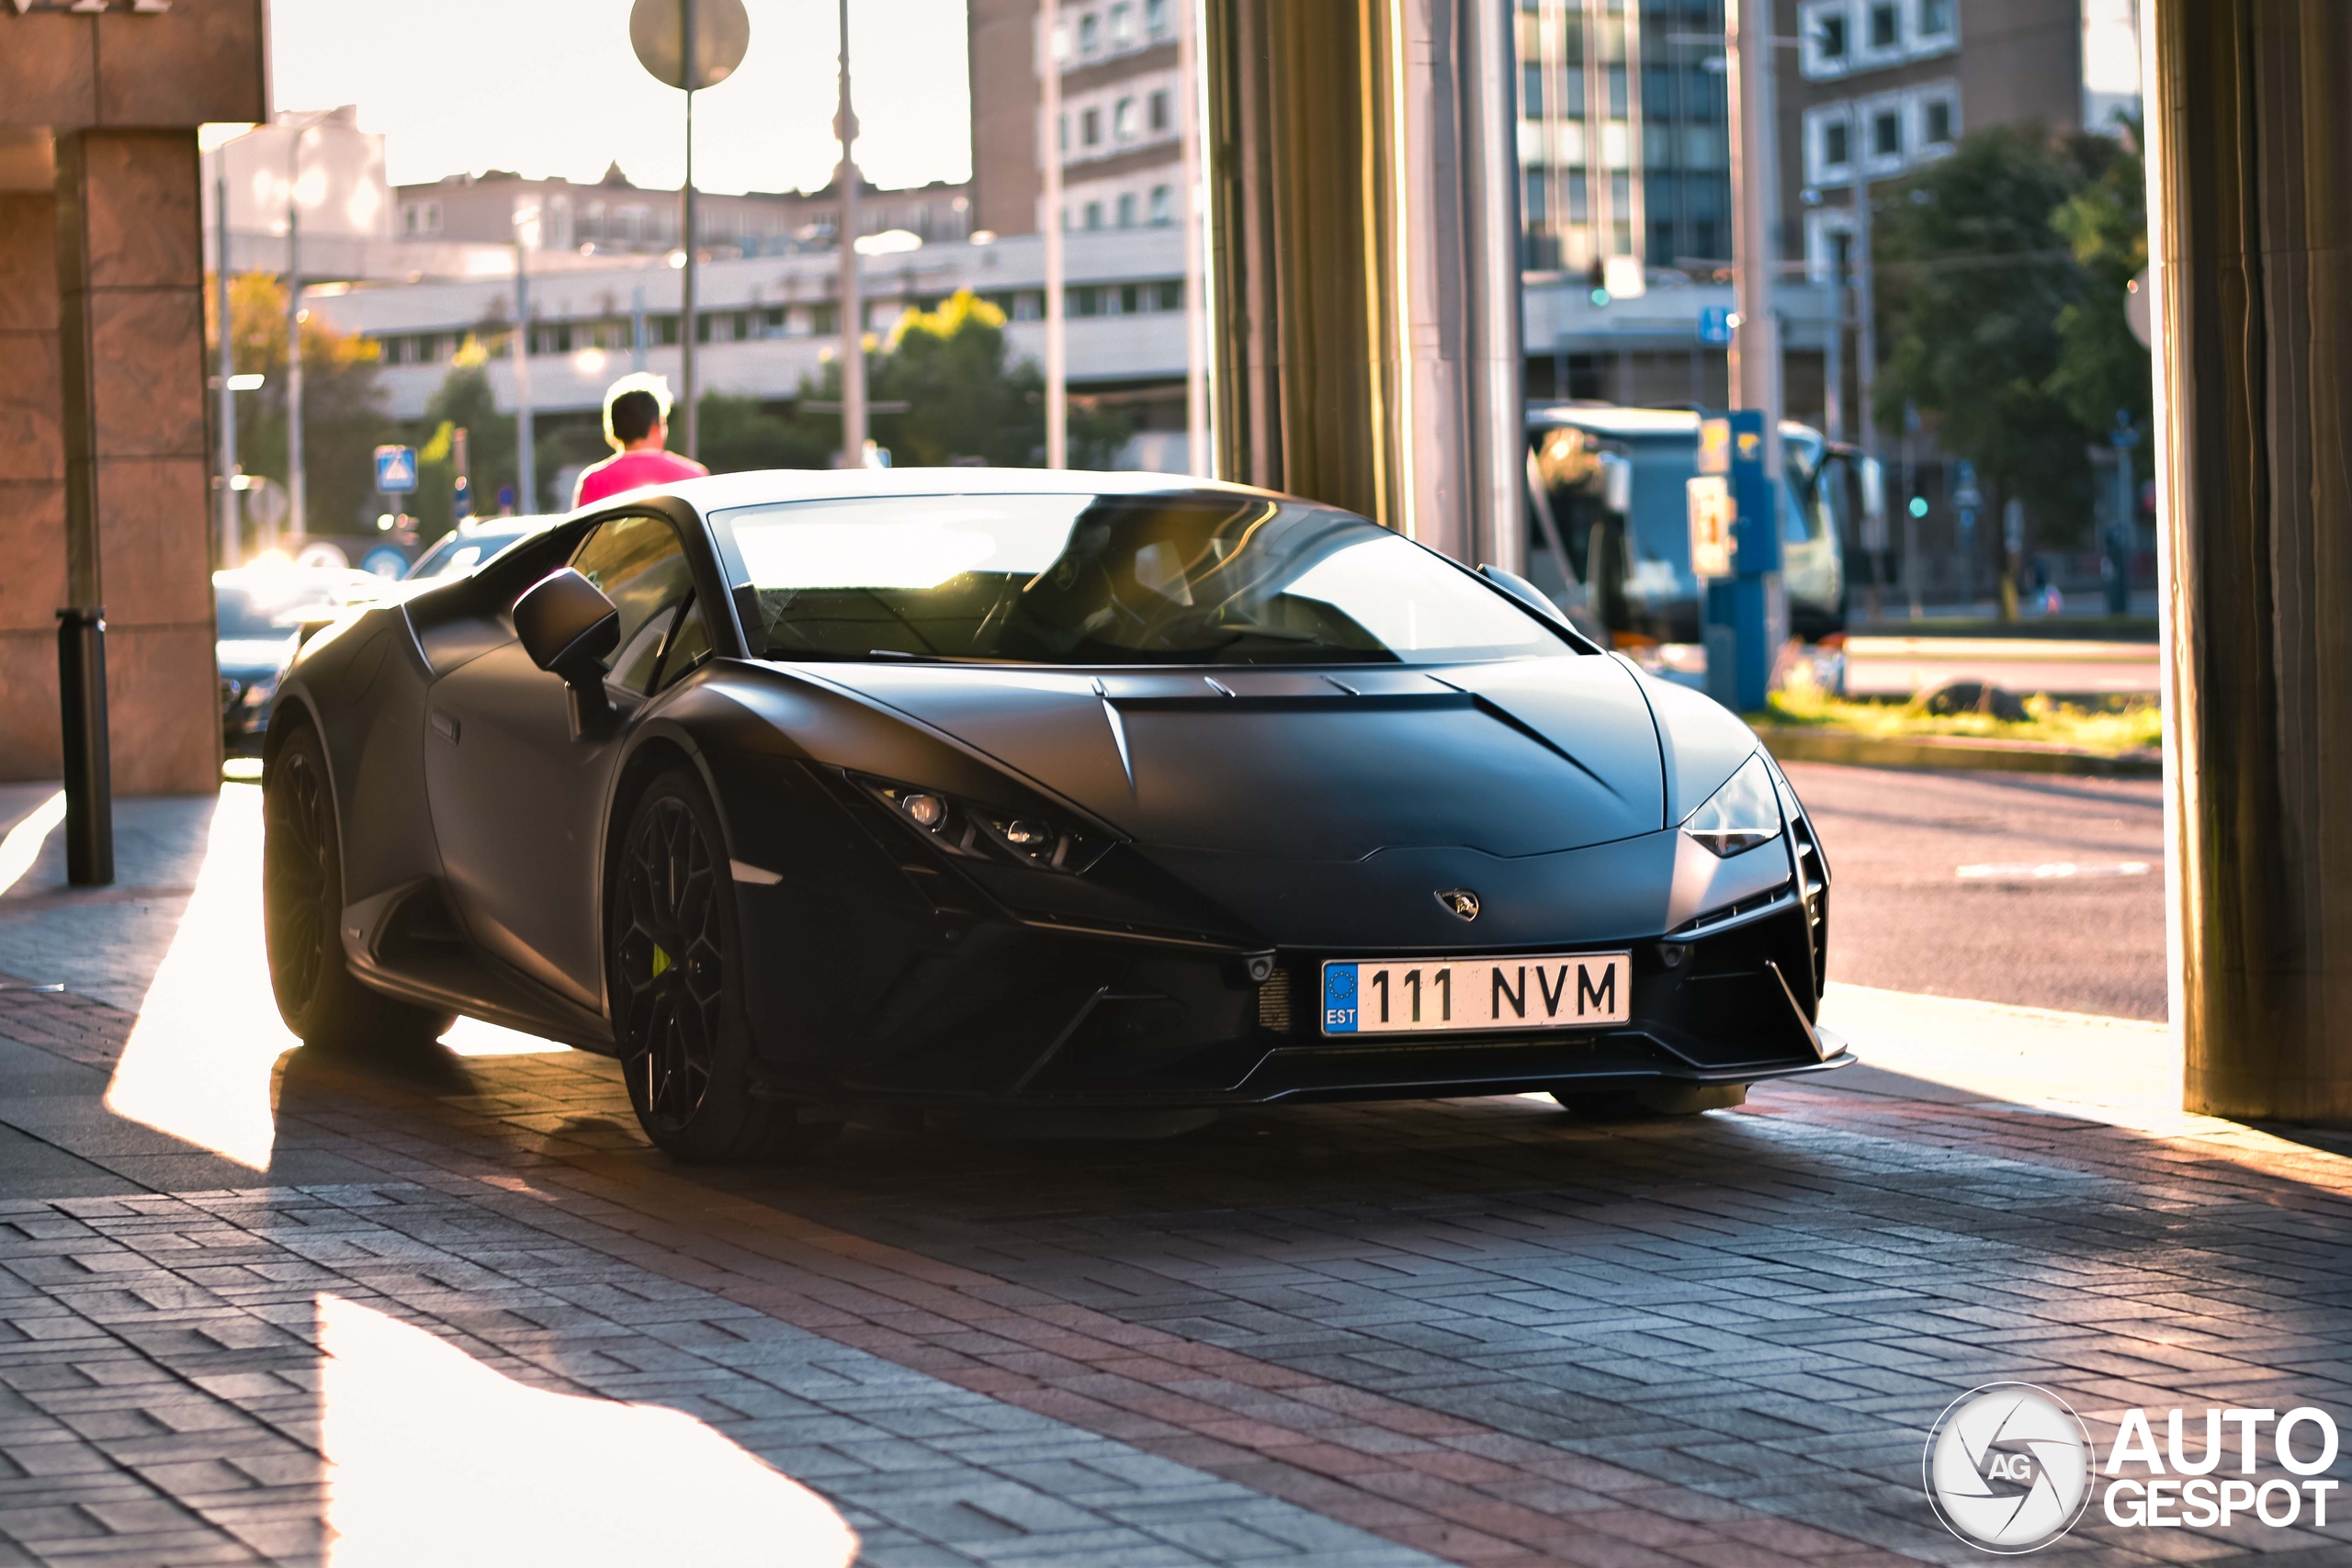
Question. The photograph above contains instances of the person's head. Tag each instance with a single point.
(637, 412)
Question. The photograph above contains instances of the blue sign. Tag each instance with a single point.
(1714, 325)
(384, 561)
(395, 470)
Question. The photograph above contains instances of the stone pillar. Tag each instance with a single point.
(130, 280)
(2250, 182)
(32, 487)
(1363, 237)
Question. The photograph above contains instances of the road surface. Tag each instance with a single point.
(2002, 888)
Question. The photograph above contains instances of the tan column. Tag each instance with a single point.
(130, 278)
(32, 487)
(2250, 180)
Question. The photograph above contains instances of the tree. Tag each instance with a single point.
(948, 366)
(463, 401)
(740, 433)
(2102, 368)
(1974, 279)
(343, 406)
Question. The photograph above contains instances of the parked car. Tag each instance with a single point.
(471, 543)
(807, 795)
(1607, 493)
(258, 614)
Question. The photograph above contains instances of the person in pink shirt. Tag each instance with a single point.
(637, 422)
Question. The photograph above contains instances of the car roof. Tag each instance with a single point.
(766, 487)
(1607, 419)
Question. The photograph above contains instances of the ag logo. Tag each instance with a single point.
(2009, 1468)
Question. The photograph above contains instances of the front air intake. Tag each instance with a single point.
(1273, 1002)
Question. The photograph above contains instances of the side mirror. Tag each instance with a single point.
(568, 626)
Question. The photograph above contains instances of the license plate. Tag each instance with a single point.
(1572, 991)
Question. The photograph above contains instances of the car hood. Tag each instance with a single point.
(1508, 758)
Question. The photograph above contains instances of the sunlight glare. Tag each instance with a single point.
(434, 1457)
(200, 1058)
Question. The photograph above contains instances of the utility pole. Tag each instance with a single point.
(1756, 338)
(689, 324)
(1050, 145)
(853, 293)
(296, 512)
(526, 488)
(230, 545)
(637, 328)
(1197, 457)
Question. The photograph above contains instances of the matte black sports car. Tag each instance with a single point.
(894, 792)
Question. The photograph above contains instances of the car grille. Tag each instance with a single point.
(1273, 1002)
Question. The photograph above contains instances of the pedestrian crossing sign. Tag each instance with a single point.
(395, 470)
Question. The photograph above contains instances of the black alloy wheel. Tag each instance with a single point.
(672, 964)
(674, 957)
(298, 879)
(302, 861)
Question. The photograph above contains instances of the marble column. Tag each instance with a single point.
(32, 487)
(2251, 238)
(129, 309)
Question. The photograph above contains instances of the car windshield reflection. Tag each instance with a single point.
(1197, 578)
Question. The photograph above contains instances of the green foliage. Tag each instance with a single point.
(963, 401)
(741, 433)
(2102, 367)
(1971, 278)
(948, 366)
(343, 417)
(462, 401)
(1998, 288)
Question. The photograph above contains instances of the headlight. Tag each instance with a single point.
(986, 833)
(1742, 814)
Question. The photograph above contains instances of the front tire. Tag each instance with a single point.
(674, 956)
(302, 915)
(1653, 1100)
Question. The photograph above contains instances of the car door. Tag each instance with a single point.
(518, 803)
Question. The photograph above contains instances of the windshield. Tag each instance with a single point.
(1196, 577)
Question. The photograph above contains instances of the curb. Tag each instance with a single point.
(1792, 744)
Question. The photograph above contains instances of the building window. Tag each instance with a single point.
(1094, 215)
(1155, 17)
(1828, 145)
(1163, 205)
(1533, 212)
(1061, 133)
(1127, 211)
(1160, 119)
(1885, 26)
(1090, 34)
(1082, 302)
(1934, 25)
(1531, 92)
(1123, 124)
(1089, 127)
(1825, 29)
(1878, 127)
(1171, 295)
(1937, 123)
(1123, 25)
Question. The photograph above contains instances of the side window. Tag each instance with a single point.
(689, 646)
(642, 570)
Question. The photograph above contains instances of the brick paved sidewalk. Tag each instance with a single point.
(1472, 1331)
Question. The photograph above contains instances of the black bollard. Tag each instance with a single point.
(89, 773)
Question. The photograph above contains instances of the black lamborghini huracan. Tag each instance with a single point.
(811, 796)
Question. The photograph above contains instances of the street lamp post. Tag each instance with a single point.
(689, 429)
(1057, 352)
(852, 294)
(527, 492)
(296, 508)
(231, 527)
(1196, 380)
